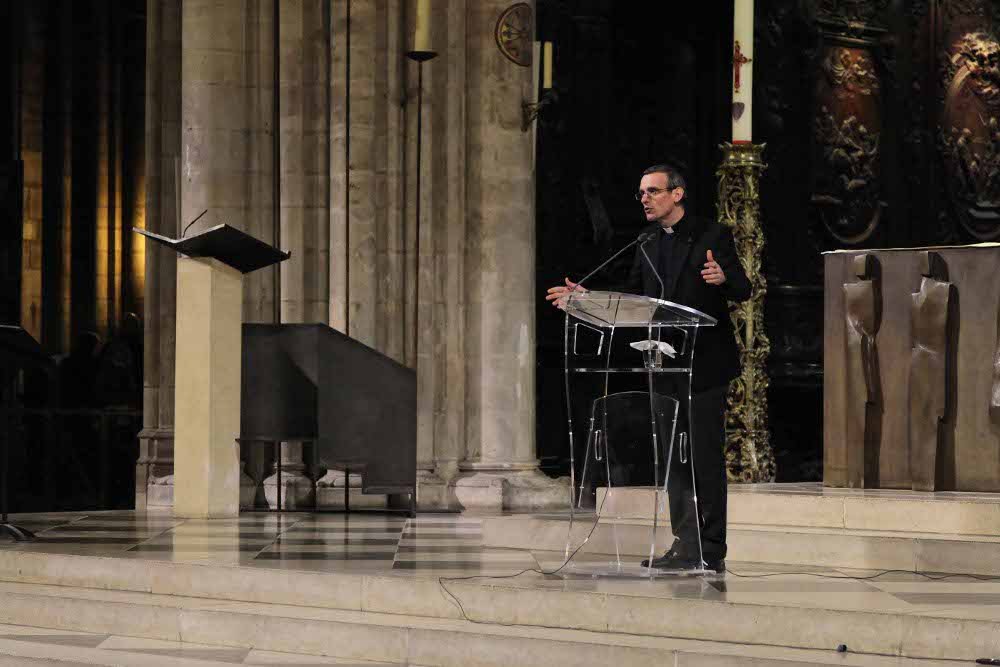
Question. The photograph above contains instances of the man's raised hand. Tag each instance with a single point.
(713, 273)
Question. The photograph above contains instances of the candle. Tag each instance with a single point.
(547, 66)
(422, 33)
(742, 69)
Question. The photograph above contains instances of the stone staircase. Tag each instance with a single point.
(954, 533)
(529, 620)
(540, 620)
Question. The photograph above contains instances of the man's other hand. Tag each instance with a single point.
(557, 295)
(713, 273)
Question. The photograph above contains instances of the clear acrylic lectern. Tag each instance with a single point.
(628, 361)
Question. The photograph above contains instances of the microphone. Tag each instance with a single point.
(192, 222)
(649, 237)
(642, 238)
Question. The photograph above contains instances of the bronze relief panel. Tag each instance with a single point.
(968, 131)
(846, 134)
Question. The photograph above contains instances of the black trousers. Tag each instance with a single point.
(706, 441)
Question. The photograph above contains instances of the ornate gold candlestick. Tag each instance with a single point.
(748, 440)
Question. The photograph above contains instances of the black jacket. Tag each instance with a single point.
(716, 359)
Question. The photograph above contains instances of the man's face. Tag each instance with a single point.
(658, 203)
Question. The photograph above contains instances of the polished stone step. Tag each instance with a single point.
(812, 506)
(24, 646)
(527, 620)
(826, 547)
(396, 639)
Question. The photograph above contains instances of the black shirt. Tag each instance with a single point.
(665, 266)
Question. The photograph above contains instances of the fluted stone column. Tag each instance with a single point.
(369, 275)
(440, 333)
(227, 156)
(154, 470)
(499, 468)
(32, 76)
(305, 190)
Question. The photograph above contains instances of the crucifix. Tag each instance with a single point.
(738, 61)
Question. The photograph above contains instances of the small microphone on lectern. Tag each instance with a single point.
(192, 222)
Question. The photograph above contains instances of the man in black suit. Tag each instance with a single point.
(697, 261)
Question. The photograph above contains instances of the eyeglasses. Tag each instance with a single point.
(652, 192)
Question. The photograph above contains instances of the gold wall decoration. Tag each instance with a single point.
(748, 441)
(514, 34)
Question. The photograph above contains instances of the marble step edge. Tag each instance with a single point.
(520, 631)
(40, 652)
(972, 515)
(822, 547)
(760, 528)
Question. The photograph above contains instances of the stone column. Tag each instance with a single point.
(438, 337)
(499, 468)
(31, 108)
(154, 470)
(227, 154)
(370, 279)
(305, 188)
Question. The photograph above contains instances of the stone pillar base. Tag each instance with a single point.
(248, 489)
(434, 493)
(330, 493)
(509, 490)
(160, 492)
(154, 478)
(297, 491)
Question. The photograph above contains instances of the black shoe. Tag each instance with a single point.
(672, 552)
(718, 565)
(675, 560)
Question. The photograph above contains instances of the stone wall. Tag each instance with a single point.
(454, 296)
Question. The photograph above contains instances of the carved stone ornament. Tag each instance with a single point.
(969, 132)
(513, 34)
(863, 319)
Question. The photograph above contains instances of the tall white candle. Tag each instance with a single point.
(422, 33)
(742, 69)
(547, 66)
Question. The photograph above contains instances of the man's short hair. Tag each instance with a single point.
(675, 179)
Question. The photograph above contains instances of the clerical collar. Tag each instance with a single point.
(677, 227)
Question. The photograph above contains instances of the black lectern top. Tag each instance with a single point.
(226, 244)
(17, 346)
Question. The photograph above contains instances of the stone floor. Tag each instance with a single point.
(443, 550)
(25, 645)
(442, 546)
(438, 545)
